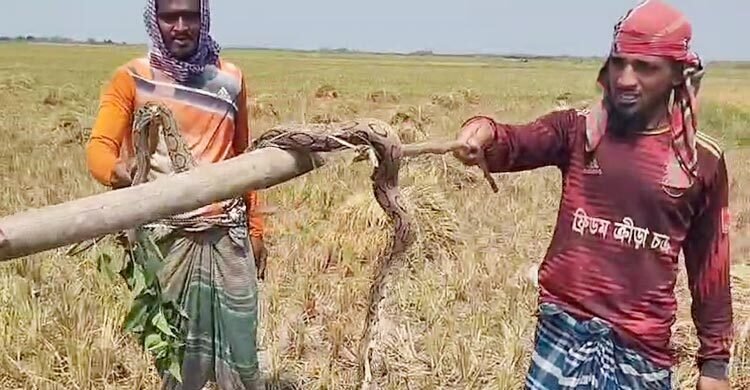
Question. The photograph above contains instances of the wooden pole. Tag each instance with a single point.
(110, 212)
(51, 227)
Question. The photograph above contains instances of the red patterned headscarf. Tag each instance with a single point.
(655, 28)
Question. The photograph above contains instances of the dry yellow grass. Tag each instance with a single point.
(459, 314)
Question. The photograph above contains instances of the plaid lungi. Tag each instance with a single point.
(212, 275)
(572, 354)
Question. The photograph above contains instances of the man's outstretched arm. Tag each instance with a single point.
(707, 261)
(546, 141)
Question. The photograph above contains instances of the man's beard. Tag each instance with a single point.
(621, 122)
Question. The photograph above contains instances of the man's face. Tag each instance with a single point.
(180, 23)
(638, 84)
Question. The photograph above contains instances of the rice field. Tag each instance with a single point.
(459, 314)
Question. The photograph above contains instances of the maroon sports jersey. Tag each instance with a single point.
(614, 253)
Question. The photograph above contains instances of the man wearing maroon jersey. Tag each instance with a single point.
(640, 184)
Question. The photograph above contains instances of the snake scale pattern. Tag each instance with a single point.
(368, 136)
(376, 137)
(151, 120)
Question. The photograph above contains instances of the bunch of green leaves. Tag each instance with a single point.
(153, 319)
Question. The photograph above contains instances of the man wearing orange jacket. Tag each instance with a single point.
(214, 254)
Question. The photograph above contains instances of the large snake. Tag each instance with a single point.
(372, 138)
(376, 139)
(386, 147)
(149, 121)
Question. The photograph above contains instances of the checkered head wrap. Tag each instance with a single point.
(161, 58)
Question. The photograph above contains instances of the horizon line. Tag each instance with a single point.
(342, 50)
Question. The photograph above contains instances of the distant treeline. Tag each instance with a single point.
(345, 51)
(418, 53)
(31, 38)
(430, 53)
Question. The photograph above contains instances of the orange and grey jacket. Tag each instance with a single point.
(210, 111)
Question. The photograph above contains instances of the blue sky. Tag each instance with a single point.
(573, 27)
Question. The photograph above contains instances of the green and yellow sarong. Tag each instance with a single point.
(211, 275)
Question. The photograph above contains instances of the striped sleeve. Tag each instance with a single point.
(707, 259)
(546, 141)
